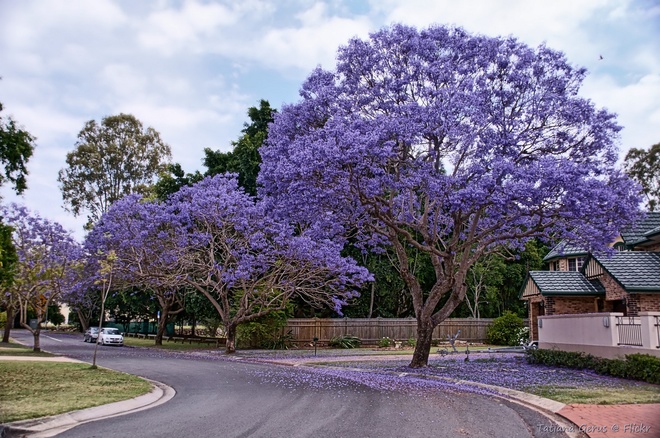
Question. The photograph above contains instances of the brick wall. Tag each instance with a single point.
(572, 305)
(648, 302)
(613, 291)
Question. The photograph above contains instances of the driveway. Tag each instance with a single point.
(228, 398)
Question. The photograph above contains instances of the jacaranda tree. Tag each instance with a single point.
(46, 254)
(214, 238)
(456, 145)
(140, 235)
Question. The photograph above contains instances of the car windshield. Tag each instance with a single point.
(111, 331)
(93, 329)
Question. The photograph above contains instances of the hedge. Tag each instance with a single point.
(642, 367)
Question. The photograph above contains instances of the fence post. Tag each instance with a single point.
(317, 328)
(648, 322)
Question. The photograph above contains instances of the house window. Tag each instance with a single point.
(575, 264)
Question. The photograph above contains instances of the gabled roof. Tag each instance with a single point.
(635, 271)
(642, 230)
(565, 283)
(565, 249)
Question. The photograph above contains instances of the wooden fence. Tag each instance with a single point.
(370, 331)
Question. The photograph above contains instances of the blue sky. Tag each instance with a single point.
(190, 69)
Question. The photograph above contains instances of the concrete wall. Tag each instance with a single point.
(596, 333)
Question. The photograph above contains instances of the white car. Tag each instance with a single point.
(110, 336)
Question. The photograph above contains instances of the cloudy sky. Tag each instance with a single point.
(190, 69)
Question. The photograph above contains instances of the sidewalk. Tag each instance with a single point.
(601, 421)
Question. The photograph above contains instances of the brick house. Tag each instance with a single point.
(578, 282)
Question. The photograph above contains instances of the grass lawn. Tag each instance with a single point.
(645, 393)
(168, 345)
(13, 349)
(37, 389)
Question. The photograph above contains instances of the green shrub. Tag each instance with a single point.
(562, 359)
(412, 342)
(3, 319)
(642, 367)
(385, 342)
(281, 342)
(262, 332)
(346, 341)
(506, 330)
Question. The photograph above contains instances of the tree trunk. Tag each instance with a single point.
(162, 323)
(230, 347)
(420, 357)
(84, 321)
(35, 335)
(8, 324)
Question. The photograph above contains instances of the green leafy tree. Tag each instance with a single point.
(111, 159)
(644, 167)
(172, 179)
(8, 259)
(16, 148)
(244, 159)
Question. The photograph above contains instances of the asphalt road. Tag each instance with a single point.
(220, 398)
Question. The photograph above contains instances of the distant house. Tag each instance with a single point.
(627, 281)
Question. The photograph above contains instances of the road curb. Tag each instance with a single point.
(53, 425)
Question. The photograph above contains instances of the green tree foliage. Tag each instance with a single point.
(244, 159)
(8, 260)
(644, 167)
(16, 147)
(505, 330)
(111, 159)
(172, 179)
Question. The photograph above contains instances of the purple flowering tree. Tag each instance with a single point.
(214, 238)
(46, 254)
(139, 235)
(246, 263)
(451, 145)
(82, 295)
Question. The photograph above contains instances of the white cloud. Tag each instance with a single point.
(312, 41)
(191, 68)
(170, 31)
(636, 104)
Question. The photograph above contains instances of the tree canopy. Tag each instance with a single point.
(453, 144)
(46, 254)
(644, 167)
(214, 238)
(111, 159)
(16, 148)
(244, 159)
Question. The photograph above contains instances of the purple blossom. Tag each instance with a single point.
(217, 240)
(452, 144)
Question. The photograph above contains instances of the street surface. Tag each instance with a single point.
(221, 398)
